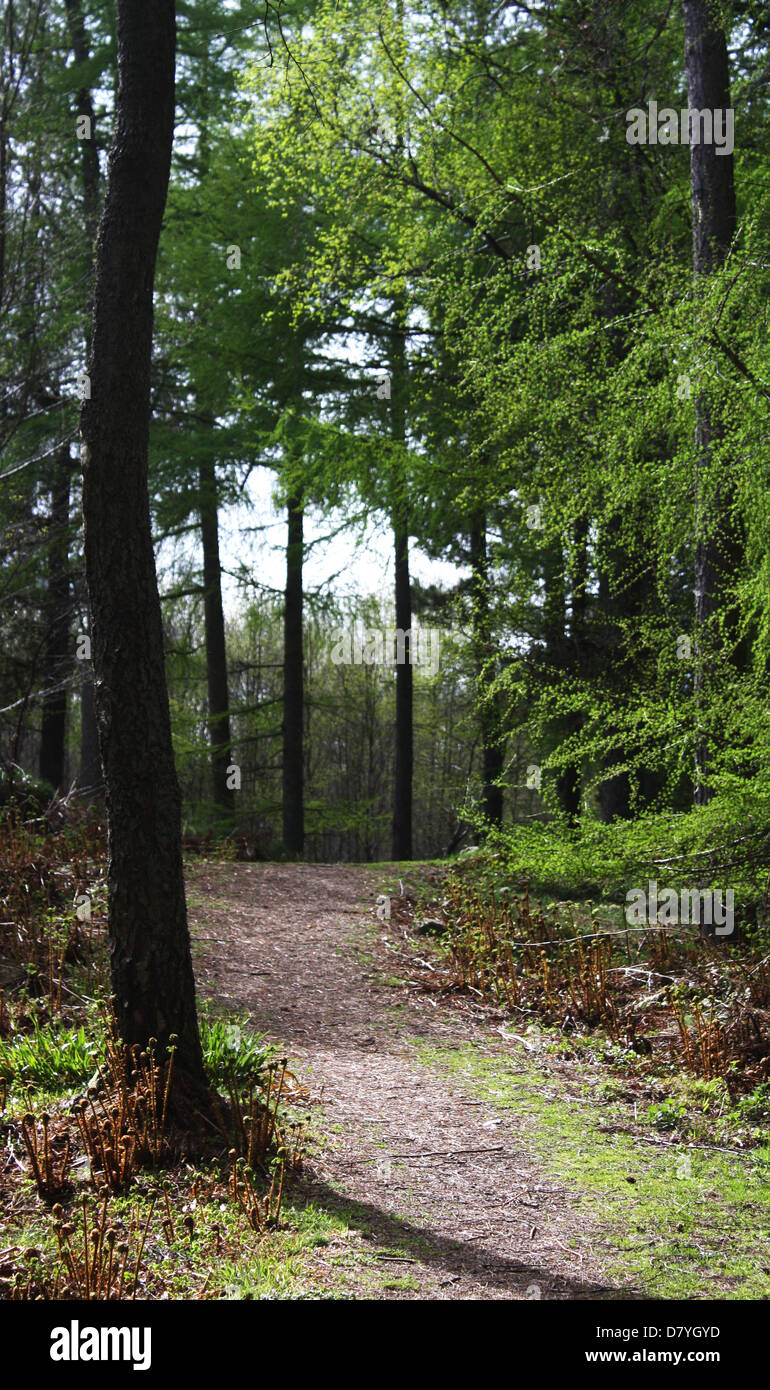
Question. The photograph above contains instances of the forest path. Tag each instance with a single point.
(299, 947)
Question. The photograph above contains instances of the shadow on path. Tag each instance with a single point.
(452, 1257)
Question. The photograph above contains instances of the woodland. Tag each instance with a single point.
(384, 598)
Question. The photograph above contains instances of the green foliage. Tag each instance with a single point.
(231, 1048)
(668, 1115)
(349, 720)
(55, 1058)
(757, 1105)
(447, 196)
(50, 1058)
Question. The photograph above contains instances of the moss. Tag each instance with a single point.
(677, 1222)
(403, 1283)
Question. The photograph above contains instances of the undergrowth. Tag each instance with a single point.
(667, 994)
(98, 1198)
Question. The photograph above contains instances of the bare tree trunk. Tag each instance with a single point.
(404, 760)
(89, 782)
(216, 648)
(488, 713)
(57, 663)
(151, 965)
(712, 190)
(614, 605)
(90, 778)
(3, 187)
(89, 158)
(293, 685)
(570, 780)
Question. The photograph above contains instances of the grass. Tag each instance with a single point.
(198, 1242)
(182, 1232)
(402, 1284)
(674, 1222)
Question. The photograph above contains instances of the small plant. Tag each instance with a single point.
(703, 1039)
(258, 1129)
(95, 1262)
(111, 1151)
(39, 874)
(667, 1115)
(525, 958)
(261, 1211)
(93, 1259)
(571, 968)
(757, 1105)
(254, 1110)
(123, 1122)
(230, 1047)
(49, 1172)
(6, 1023)
(50, 1057)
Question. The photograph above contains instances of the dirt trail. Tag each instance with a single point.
(298, 946)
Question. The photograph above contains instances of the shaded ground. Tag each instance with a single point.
(447, 1195)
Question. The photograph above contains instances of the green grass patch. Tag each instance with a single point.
(672, 1221)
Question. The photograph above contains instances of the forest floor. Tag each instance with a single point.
(452, 1159)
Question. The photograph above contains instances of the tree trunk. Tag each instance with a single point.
(559, 657)
(293, 686)
(488, 713)
(570, 780)
(216, 649)
(3, 188)
(57, 662)
(151, 965)
(712, 192)
(89, 782)
(404, 753)
(404, 763)
(90, 778)
(89, 159)
(614, 791)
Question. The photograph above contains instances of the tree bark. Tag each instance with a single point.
(614, 605)
(89, 783)
(216, 648)
(560, 652)
(57, 662)
(488, 713)
(404, 762)
(3, 188)
(569, 785)
(404, 759)
(90, 777)
(151, 965)
(293, 685)
(712, 193)
(89, 159)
